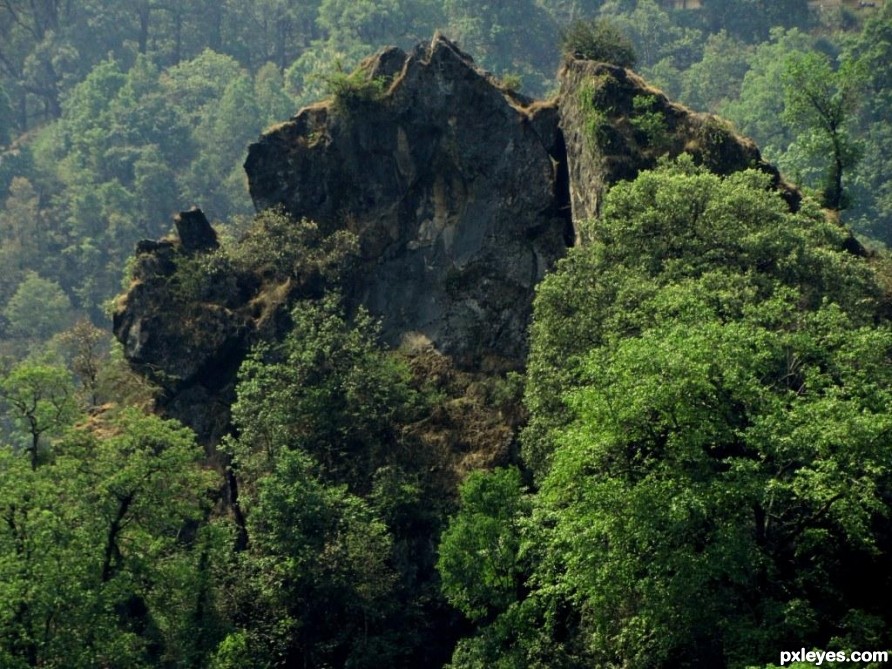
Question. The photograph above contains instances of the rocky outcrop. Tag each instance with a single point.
(188, 345)
(615, 125)
(457, 193)
(451, 184)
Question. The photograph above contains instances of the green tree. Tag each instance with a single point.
(314, 584)
(871, 211)
(95, 566)
(86, 110)
(223, 136)
(155, 187)
(508, 38)
(19, 217)
(39, 400)
(274, 31)
(85, 350)
(716, 458)
(199, 81)
(655, 35)
(366, 23)
(565, 12)
(38, 309)
(758, 107)
(712, 475)
(716, 79)
(336, 493)
(272, 99)
(751, 20)
(479, 551)
(32, 559)
(819, 100)
(599, 40)
(329, 392)
(130, 149)
(144, 114)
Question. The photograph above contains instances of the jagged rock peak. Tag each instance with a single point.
(452, 183)
(458, 191)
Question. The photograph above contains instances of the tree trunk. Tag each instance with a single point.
(111, 541)
(241, 530)
(833, 198)
(35, 441)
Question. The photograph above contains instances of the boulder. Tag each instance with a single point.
(195, 233)
(461, 193)
(614, 125)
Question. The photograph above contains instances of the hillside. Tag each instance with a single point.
(486, 379)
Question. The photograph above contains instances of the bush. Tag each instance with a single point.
(274, 245)
(598, 40)
(351, 91)
(650, 121)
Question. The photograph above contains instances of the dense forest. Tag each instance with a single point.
(698, 470)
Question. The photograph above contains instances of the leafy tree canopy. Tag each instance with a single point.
(38, 309)
(718, 455)
(95, 567)
(822, 101)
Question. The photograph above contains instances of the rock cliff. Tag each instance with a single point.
(460, 195)
(451, 185)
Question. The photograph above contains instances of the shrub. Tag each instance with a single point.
(511, 82)
(598, 40)
(274, 245)
(353, 90)
(596, 119)
(650, 121)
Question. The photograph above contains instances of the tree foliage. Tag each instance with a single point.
(821, 100)
(708, 388)
(129, 121)
(598, 40)
(328, 392)
(315, 585)
(479, 551)
(38, 309)
(337, 515)
(709, 396)
(39, 402)
(95, 567)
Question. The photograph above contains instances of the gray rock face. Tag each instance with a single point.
(192, 350)
(451, 184)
